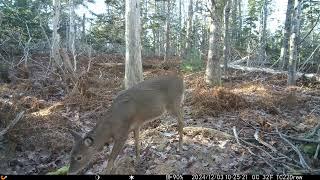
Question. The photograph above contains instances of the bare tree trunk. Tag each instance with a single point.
(263, 40)
(293, 55)
(226, 48)
(234, 21)
(239, 34)
(167, 45)
(213, 71)
(189, 28)
(180, 28)
(284, 54)
(83, 36)
(133, 65)
(72, 33)
(55, 36)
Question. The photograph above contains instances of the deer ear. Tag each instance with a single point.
(75, 135)
(88, 141)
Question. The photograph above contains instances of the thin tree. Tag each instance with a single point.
(263, 33)
(284, 54)
(234, 21)
(189, 28)
(213, 70)
(133, 64)
(293, 55)
(239, 34)
(83, 36)
(72, 33)
(180, 28)
(167, 45)
(226, 39)
(55, 36)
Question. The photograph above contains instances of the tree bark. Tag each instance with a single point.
(180, 28)
(213, 70)
(284, 54)
(234, 20)
(72, 33)
(239, 34)
(83, 36)
(55, 36)
(133, 64)
(189, 28)
(263, 40)
(167, 45)
(226, 47)
(293, 55)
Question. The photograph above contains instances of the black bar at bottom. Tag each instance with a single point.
(162, 177)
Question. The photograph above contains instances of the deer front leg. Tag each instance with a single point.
(180, 128)
(136, 142)
(118, 145)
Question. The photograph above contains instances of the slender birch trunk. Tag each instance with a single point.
(133, 64)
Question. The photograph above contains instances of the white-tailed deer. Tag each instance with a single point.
(141, 103)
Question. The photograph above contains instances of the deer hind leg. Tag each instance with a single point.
(118, 145)
(176, 111)
(137, 143)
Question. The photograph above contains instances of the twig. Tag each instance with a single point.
(14, 122)
(302, 161)
(317, 152)
(314, 131)
(250, 151)
(308, 59)
(302, 139)
(315, 24)
(236, 134)
(268, 154)
(318, 149)
(256, 136)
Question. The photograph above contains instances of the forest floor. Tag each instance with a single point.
(251, 125)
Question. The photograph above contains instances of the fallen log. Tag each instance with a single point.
(312, 76)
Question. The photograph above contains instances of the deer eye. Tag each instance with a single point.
(78, 158)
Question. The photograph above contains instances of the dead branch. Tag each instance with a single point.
(302, 161)
(236, 134)
(14, 122)
(256, 136)
(301, 139)
(109, 65)
(252, 153)
(314, 131)
(271, 71)
(317, 152)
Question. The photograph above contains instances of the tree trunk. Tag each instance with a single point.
(263, 40)
(167, 45)
(213, 70)
(226, 47)
(293, 55)
(72, 33)
(284, 54)
(55, 36)
(179, 40)
(83, 37)
(234, 21)
(133, 64)
(189, 28)
(239, 34)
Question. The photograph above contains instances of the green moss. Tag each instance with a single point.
(62, 171)
(309, 149)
